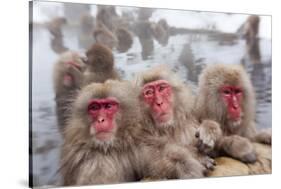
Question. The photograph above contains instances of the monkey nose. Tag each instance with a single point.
(159, 103)
(100, 119)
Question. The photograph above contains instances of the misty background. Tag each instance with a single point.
(187, 53)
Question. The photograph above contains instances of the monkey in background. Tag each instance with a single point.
(105, 37)
(67, 78)
(54, 27)
(99, 138)
(124, 38)
(226, 96)
(251, 30)
(107, 16)
(111, 29)
(168, 128)
(100, 65)
(161, 32)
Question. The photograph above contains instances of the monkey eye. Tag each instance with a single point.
(95, 106)
(162, 87)
(148, 92)
(237, 91)
(108, 105)
(226, 92)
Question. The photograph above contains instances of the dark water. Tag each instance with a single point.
(197, 52)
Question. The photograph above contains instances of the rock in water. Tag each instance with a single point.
(230, 167)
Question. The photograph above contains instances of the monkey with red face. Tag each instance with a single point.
(68, 78)
(168, 128)
(99, 137)
(227, 97)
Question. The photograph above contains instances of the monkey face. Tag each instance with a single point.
(158, 96)
(232, 97)
(102, 113)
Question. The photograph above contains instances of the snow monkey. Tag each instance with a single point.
(168, 137)
(100, 65)
(67, 78)
(99, 135)
(226, 96)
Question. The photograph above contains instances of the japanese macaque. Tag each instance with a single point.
(100, 65)
(145, 13)
(54, 27)
(125, 39)
(107, 16)
(105, 37)
(168, 128)
(68, 79)
(99, 135)
(251, 30)
(251, 27)
(161, 32)
(144, 31)
(227, 97)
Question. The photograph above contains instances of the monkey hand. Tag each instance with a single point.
(208, 162)
(207, 134)
(239, 147)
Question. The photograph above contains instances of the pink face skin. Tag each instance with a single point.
(102, 113)
(158, 95)
(232, 96)
(68, 78)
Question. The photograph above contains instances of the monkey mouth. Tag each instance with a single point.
(162, 117)
(104, 136)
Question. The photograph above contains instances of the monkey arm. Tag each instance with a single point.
(263, 136)
(208, 135)
(237, 147)
(171, 162)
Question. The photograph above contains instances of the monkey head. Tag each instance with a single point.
(100, 58)
(158, 96)
(227, 92)
(103, 114)
(68, 70)
(104, 110)
(160, 92)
